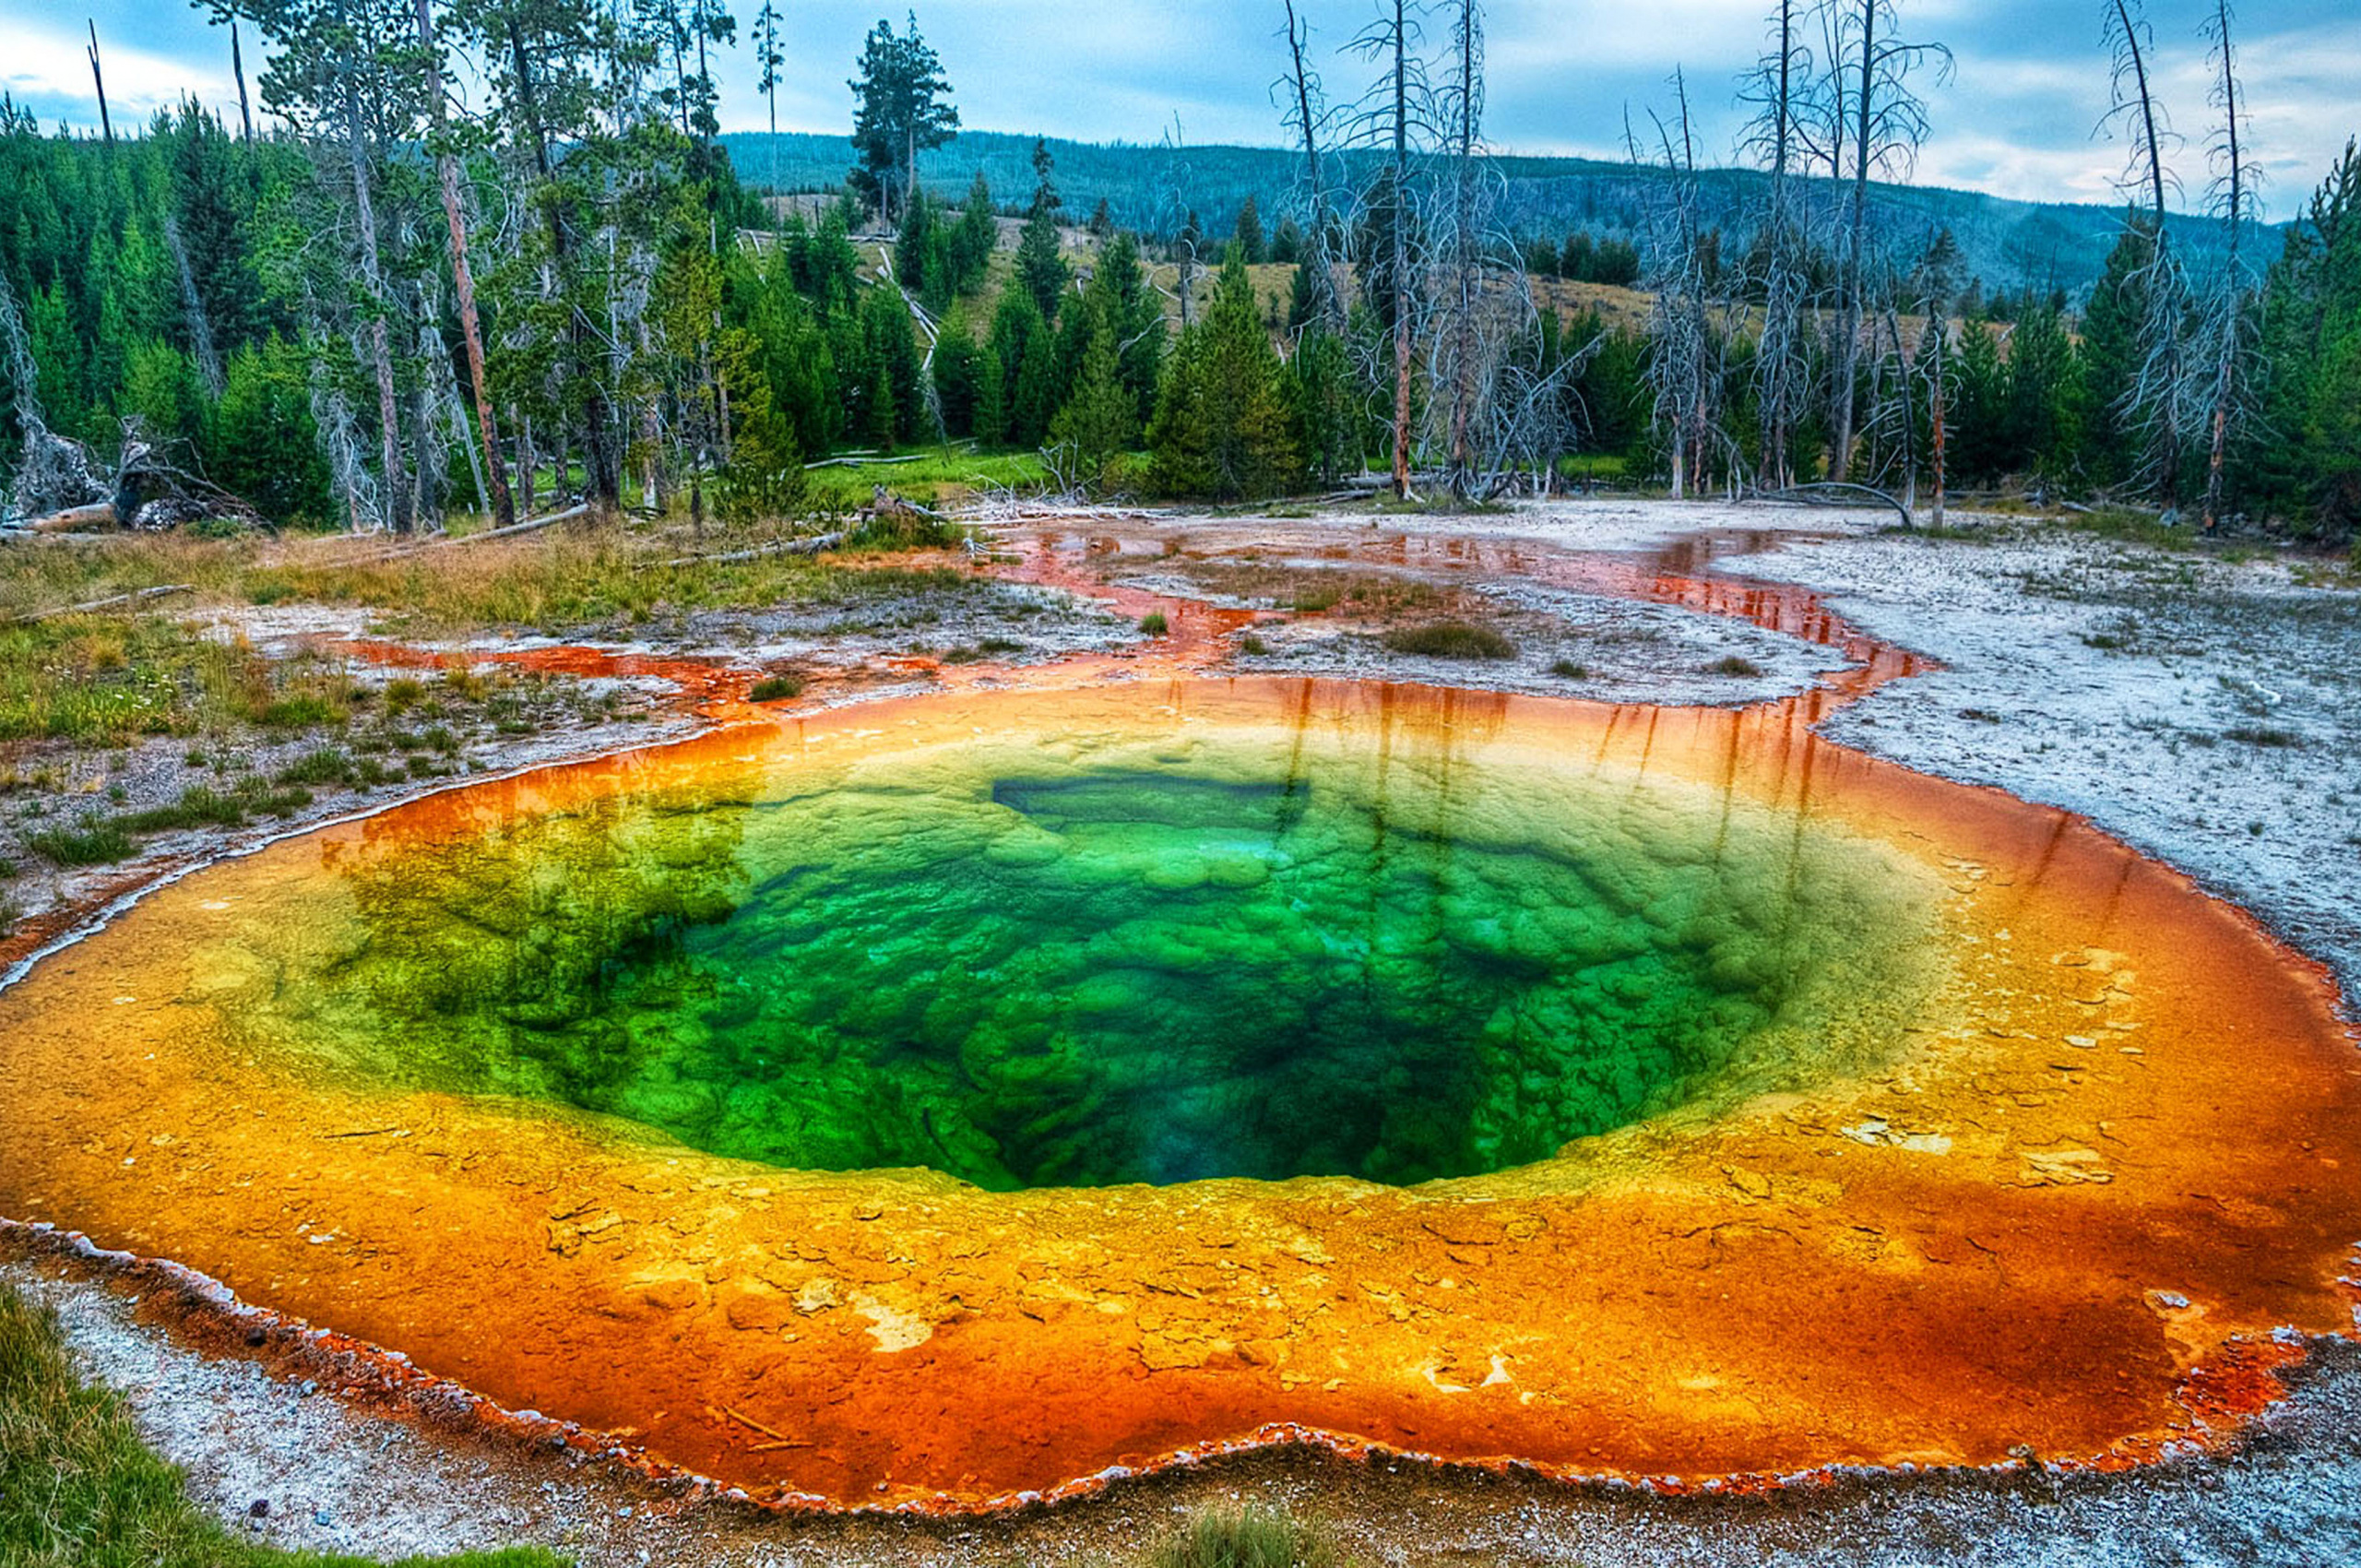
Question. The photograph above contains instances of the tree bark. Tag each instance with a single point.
(446, 168)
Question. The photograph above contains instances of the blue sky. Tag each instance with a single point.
(2017, 120)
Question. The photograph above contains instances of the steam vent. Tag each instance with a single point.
(948, 1102)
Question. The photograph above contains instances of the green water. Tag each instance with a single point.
(1096, 961)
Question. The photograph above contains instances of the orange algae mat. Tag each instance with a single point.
(2032, 1145)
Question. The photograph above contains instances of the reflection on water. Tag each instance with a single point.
(1084, 956)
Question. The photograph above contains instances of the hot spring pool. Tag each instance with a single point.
(990, 1092)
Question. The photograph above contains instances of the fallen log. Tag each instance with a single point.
(811, 546)
(532, 525)
(74, 518)
(97, 604)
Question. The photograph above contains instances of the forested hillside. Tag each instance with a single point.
(389, 310)
(2011, 247)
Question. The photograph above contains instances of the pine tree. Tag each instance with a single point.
(1040, 264)
(1224, 427)
(1100, 420)
(1249, 236)
(903, 108)
(974, 240)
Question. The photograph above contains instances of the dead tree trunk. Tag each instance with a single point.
(447, 169)
(1401, 225)
(238, 69)
(98, 80)
(1464, 239)
(1300, 78)
(1849, 346)
(389, 419)
(2228, 310)
(2155, 397)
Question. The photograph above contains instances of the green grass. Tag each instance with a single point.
(95, 841)
(1743, 669)
(77, 1489)
(1566, 668)
(776, 688)
(1251, 1537)
(1451, 639)
(2263, 736)
(106, 841)
(1154, 624)
(938, 474)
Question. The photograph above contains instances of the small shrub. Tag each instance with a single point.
(93, 843)
(1745, 669)
(402, 694)
(1566, 669)
(1154, 624)
(1251, 1537)
(1451, 639)
(1980, 715)
(10, 913)
(2262, 735)
(1001, 645)
(776, 688)
(1251, 644)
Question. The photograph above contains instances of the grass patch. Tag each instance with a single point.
(1744, 669)
(931, 477)
(77, 1489)
(1451, 639)
(326, 766)
(1251, 644)
(95, 841)
(1154, 624)
(2263, 736)
(777, 688)
(1251, 1537)
(1566, 669)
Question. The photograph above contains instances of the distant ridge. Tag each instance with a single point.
(2009, 245)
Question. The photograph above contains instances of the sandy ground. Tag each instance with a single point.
(2208, 712)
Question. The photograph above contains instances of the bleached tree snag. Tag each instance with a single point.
(1889, 124)
(98, 80)
(1776, 137)
(494, 474)
(1307, 119)
(2152, 402)
(238, 69)
(2232, 196)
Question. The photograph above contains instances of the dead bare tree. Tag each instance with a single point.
(1461, 107)
(1684, 363)
(1775, 136)
(2153, 403)
(1889, 124)
(1306, 113)
(1396, 115)
(98, 80)
(2222, 333)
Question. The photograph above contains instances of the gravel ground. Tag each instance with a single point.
(2177, 701)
